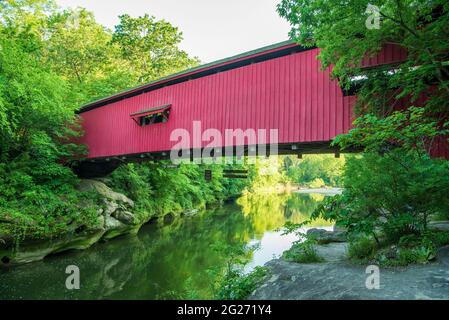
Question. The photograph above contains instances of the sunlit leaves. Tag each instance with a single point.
(152, 46)
(338, 28)
(410, 130)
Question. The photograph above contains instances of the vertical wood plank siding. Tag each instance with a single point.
(289, 93)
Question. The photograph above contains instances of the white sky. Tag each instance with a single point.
(212, 29)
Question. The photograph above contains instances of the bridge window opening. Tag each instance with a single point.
(152, 116)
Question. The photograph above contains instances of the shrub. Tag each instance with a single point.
(317, 183)
(393, 195)
(312, 168)
(158, 190)
(363, 248)
(439, 238)
(402, 257)
(238, 286)
(303, 252)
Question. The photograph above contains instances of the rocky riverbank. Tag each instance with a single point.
(114, 219)
(337, 278)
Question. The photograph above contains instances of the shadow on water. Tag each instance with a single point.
(161, 262)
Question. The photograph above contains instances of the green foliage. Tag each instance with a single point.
(420, 255)
(303, 252)
(159, 189)
(266, 173)
(362, 248)
(338, 28)
(391, 191)
(314, 171)
(317, 183)
(411, 249)
(238, 286)
(152, 46)
(231, 283)
(78, 47)
(439, 238)
(51, 61)
(30, 207)
(393, 194)
(387, 203)
(410, 130)
(38, 197)
(421, 252)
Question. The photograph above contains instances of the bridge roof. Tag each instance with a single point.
(258, 55)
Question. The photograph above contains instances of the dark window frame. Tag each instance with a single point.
(152, 116)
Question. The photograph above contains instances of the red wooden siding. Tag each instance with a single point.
(288, 93)
(389, 54)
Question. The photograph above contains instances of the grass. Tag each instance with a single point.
(304, 252)
(238, 286)
(362, 249)
(411, 249)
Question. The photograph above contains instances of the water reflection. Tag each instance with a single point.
(174, 261)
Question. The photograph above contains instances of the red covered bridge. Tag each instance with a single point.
(277, 87)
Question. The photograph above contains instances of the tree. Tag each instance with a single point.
(393, 189)
(51, 61)
(78, 45)
(338, 28)
(313, 169)
(152, 46)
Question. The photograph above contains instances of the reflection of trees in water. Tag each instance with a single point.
(160, 261)
(268, 212)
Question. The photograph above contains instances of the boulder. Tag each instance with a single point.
(125, 217)
(111, 207)
(332, 252)
(113, 224)
(439, 225)
(30, 251)
(113, 220)
(104, 190)
(115, 228)
(324, 236)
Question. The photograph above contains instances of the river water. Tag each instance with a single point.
(179, 260)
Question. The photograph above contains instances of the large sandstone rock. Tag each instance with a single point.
(111, 207)
(115, 228)
(31, 251)
(439, 225)
(117, 215)
(114, 219)
(104, 190)
(125, 217)
(343, 281)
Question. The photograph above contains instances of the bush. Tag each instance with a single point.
(322, 168)
(391, 195)
(363, 248)
(317, 183)
(303, 252)
(401, 257)
(411, 249)
(158, 190)
(238, 286)
(439, 238)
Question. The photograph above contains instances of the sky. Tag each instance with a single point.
(212, 29)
